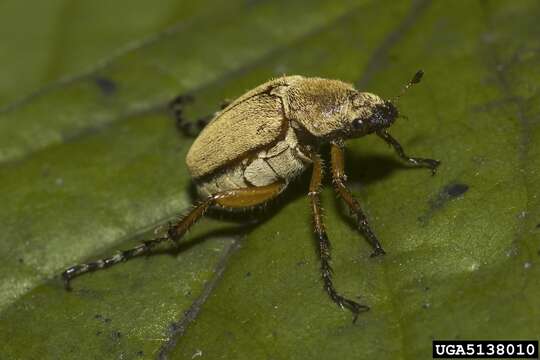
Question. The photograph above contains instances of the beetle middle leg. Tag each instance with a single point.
(324, 243)
(429, 163)
(239, 198)
(339, 178)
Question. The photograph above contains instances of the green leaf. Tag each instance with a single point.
(57, 39)
(93, 164)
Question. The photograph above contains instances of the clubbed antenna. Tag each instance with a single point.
(415, 80)
(417, 77)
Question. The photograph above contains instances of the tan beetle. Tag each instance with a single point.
(255, 146)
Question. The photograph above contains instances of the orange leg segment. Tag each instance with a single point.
(339, 178)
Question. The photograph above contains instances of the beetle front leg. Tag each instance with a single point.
(339, 178)
(429, 163)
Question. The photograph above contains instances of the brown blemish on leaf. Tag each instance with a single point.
(107, 86)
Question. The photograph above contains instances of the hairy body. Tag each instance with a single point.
(267, 134)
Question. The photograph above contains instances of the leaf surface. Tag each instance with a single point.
(93, 164)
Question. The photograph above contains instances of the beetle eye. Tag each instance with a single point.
(358, 123)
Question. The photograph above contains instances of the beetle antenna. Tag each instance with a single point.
(415, 80)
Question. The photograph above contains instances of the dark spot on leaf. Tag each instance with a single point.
(98, 333)
(248, 274)
(456, 189)
(447, 193)
(538, 226)
(21, 260)
(106, 85)
(140, 353)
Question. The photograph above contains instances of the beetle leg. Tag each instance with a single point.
(339, 178)
(240, 198)
(224, 104)
(80, 269)
(429, 163)
(324, 243)
(176, 107)
(189, 128)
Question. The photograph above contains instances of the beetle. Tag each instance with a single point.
(256, 145)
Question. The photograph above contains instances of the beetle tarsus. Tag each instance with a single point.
(433, 165)
(140, 249)
(421, 162)
(355, 308)
(187, 127)
(324, 243)
(66, 277)
(378, 252)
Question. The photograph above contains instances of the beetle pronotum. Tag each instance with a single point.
(251, 150)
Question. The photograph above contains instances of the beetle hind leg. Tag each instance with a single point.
(324, 244)
(174, 233)
(141, 249)
(239, 198)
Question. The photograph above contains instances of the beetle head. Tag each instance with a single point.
(332, 109)
(369, 113)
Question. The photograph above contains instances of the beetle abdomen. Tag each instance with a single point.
(282, 162)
